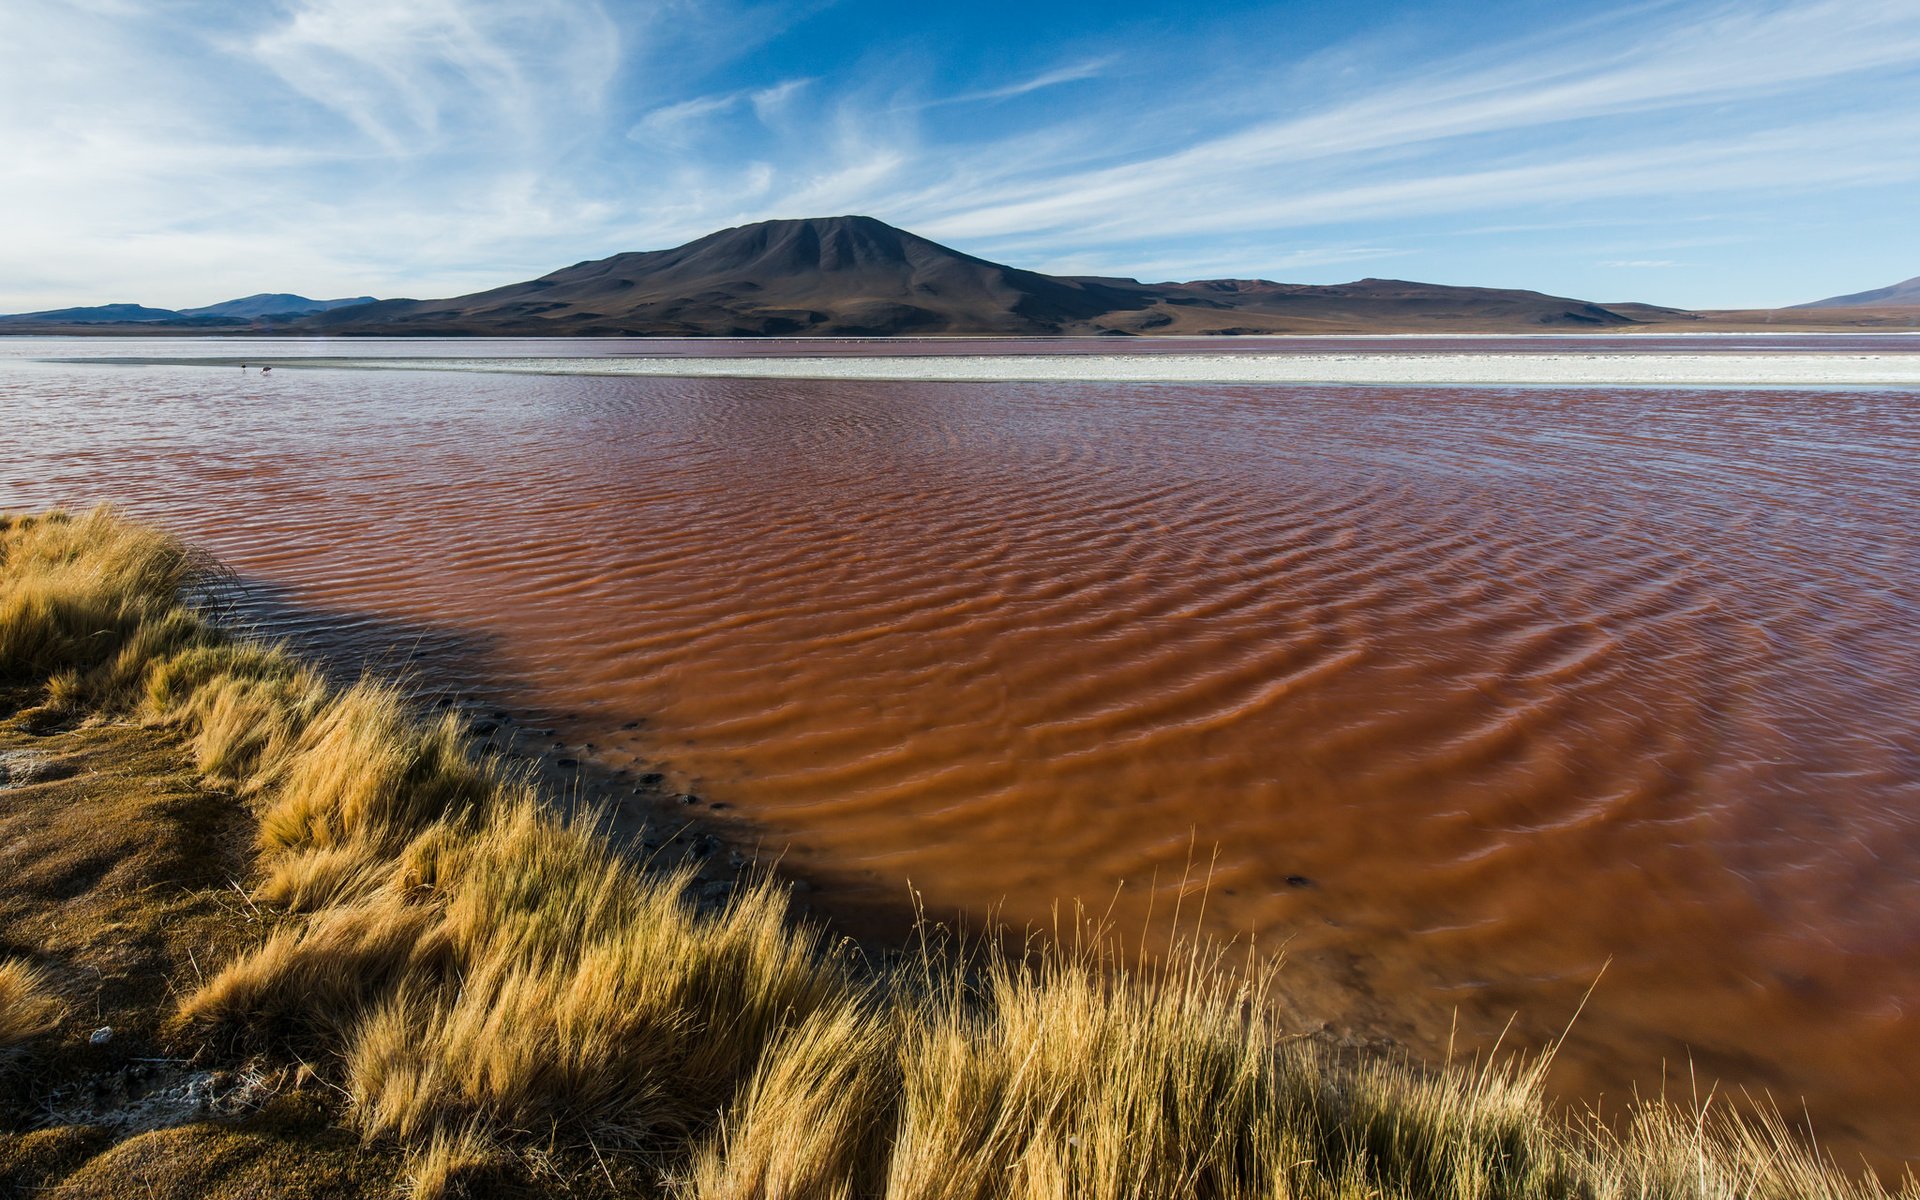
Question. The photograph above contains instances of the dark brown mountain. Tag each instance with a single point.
(856, 276)
(1899, 295)
(837, 275)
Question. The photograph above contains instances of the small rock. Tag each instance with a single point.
(19, 767)
(652, 779)
(717, 805)
(567, 762)
(631, 725)
(1299, 881)
(706, 846)
(689, 798)
(100, 1036)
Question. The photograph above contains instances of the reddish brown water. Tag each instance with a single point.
(1466, 693)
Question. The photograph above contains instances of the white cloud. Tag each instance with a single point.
(769, 102)
(1091, 68)
(677, 125)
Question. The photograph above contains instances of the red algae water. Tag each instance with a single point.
(1459, 696)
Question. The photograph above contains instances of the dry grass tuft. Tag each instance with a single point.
(456, 1164)
(814, 1119)
(80, 594)
(246, 705)
(322, 977)
(28, 1007)
(481, 978)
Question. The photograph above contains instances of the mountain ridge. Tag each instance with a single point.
(1896, 295)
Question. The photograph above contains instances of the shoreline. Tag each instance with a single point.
(1783, 369)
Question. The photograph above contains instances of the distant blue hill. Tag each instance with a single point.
(95, 314)
(230, 312)
(273, 304)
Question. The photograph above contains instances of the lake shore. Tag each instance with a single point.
(1548, 369)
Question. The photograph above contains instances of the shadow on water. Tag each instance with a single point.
(444, 670)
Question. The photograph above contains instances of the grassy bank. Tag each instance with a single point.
(416, 954)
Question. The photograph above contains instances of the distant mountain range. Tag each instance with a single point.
(858, 276)
(247, 309)
(1898, 295)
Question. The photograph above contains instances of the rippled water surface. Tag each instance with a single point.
(1463, 693)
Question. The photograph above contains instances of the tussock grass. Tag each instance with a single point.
(89, 599)
(483, 979)
(28, 1007)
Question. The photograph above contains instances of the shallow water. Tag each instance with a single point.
(1459, 695)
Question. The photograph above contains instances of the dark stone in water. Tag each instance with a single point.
(1299, 881)
(689, 798)
(652, 779)
(567, 762)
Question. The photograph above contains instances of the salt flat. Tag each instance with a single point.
(1567, 370)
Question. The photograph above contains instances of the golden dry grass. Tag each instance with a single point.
(28, 1007)
(489, 984)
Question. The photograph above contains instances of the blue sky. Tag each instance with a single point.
(179, 152)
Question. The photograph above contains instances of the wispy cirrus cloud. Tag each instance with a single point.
(1091, 68)
(675, 125)
(410, 75)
